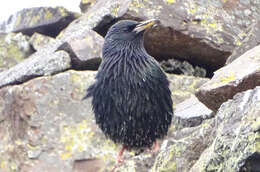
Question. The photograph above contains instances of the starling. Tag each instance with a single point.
(131, 97)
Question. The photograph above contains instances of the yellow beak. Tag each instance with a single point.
(144, 25)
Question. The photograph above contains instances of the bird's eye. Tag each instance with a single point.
(130, 28)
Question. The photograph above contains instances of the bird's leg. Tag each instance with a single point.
(120, 158)
(155, 147)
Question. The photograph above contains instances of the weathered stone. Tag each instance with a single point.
(85, 4)
(85, 52)
(14, 48)
(237, 144)
(190, 113)
(35, 66)
(202, 32)
(240, 75)
(46, 126)
(184, 147)
(45, 20)
(178, 67)
(251, 40)
(38, 40)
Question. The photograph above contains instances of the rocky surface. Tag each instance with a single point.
(45, 126)
(14, 48)
(45, 20)
(51, 128)
(240, 75)
(251, 40)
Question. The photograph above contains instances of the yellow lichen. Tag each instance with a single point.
(228, 78)
(3, 164)
(170, 1)
(48, 14)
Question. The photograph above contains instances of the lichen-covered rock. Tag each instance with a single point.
(37, 65)
(236, 147)
(45, 126)
(183, 148)
(38, 40)
(14, 48)
(251, 40)
(189, 113)
(45, 20)
(202, 32)
(85, 4)
(179, 67)
(85, 52)
(240, 75)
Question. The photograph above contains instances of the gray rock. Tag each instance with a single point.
(38, 41)
(251, 40)
(190, 113)
(236, 146)
(203, 32)
(85, 52)
(35, 66)
(45, 20)
(240, 75)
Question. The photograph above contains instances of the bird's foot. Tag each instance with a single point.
(120, 158)
(155, 148)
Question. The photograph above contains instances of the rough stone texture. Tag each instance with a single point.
(237, 144)
(45, 20)
(14, 48)
(85, 52)
(38, 41)
(35, 66)
(190, 113)
(202, 32)
(45, 126)
(251, 40)
(178, 67)
(85, 4)
(240, 75)
(183, 148)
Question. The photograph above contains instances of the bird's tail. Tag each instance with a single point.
(89, 92)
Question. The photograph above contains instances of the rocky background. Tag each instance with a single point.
(48, 57)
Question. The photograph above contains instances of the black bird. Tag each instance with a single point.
(131, 97)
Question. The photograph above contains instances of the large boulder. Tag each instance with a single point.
(237, 144)
(45, 20)
(240, 75)
(45, 125)
(38, 41)
(202, 32)
(14, 48)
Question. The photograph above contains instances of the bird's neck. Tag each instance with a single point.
(123, 49)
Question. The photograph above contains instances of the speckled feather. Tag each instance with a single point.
(131, 97)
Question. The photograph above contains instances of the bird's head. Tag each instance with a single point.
(128, 33)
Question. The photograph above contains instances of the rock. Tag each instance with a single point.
(183, 87)
(46, 126)
(14, 48)
(183, 148)
(190, 113)
(251, 40)
(237, 143)
(35, 66)
(45, 20)
(85, 4)
(240, 75)
(202, 32)
(85, 52)
(38, 40)
(178, 67)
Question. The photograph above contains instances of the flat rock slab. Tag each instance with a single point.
(236, 145)
(35, 66)
(240, 75)
(202, 32)
(45, 20)
(39, 41)
(190, 113)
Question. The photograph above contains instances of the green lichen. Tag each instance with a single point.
(48, 14)
(228, 78)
